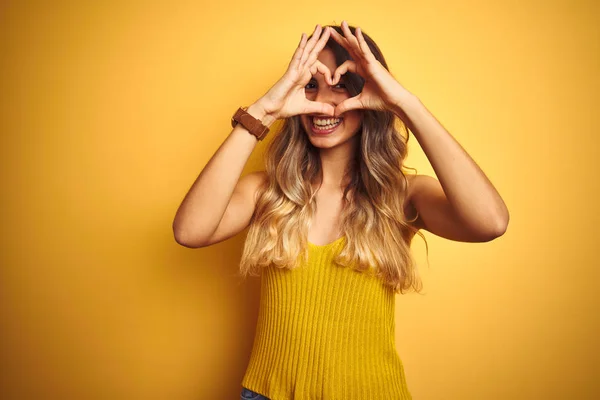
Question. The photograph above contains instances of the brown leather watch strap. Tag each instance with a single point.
(253, 125)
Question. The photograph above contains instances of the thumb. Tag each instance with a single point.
(352, 103)
(315, 107)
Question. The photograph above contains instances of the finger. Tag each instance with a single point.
(346, 66)
(363, 44)
(299, 50)
(339, 39)
(353, 103)
(319, 46)
(342, 41)
(352, 41)
(318, 66)
(310, 44)
(315, 107)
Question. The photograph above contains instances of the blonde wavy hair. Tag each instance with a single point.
(377, 231)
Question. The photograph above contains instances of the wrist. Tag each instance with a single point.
(257, 110)
(405, 101)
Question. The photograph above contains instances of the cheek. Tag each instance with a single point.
(353, 121)
(304, 120)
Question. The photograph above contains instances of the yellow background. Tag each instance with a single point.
(110, 111)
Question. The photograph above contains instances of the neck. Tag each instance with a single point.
(335, 162)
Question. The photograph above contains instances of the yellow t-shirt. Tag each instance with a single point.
(325, 332)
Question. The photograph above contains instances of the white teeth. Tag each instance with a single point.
(326, 121)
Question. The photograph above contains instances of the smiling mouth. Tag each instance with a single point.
(324, 125)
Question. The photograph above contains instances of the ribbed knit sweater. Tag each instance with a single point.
(325, 332)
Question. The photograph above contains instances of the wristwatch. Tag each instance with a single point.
(253, 125)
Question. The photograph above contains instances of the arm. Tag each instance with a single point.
(217, 206)
(463, 205)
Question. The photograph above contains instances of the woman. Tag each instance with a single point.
(332, 217)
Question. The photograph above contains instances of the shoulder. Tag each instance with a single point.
(253, 183)
(415, 186)
(415, 182)
(257, 177)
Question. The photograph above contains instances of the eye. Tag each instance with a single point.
(310, 85)
(340, 86)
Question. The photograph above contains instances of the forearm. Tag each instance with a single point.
(467, 188)
(205, 203)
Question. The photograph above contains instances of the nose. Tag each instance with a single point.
(326, 95)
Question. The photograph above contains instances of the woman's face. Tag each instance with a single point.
(325, 131)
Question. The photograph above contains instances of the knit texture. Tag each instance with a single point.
(325, 332)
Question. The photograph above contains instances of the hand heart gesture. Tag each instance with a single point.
(381, 91)
(287, 97)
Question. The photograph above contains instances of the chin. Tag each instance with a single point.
(329, 142)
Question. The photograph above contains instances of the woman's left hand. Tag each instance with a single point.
(381, 91)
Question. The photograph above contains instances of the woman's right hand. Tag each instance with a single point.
(287, 97)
